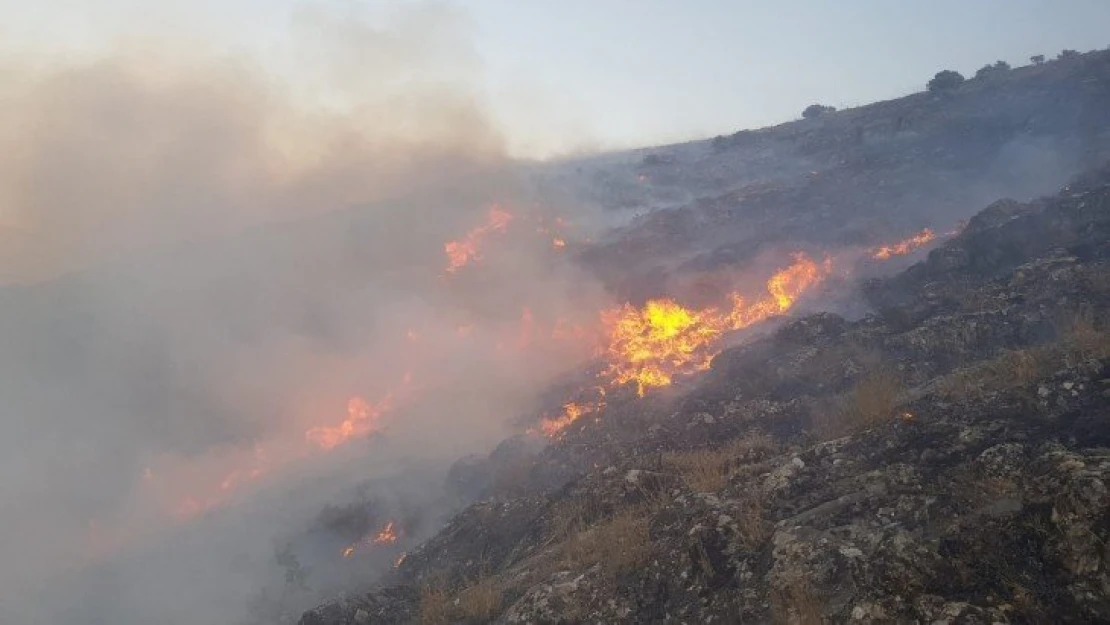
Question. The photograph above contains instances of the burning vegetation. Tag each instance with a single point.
(647, 346)
(468, 249)
(386, 536)
(901, 248)
(652, 344)
(363, 419)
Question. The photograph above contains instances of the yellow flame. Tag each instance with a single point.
(650, 345)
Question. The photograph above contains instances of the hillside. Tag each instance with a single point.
(834, 367)
(853, 177)
(942, 458)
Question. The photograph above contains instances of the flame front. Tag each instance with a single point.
(650, 345)
(572, 411)
(362, 420)
(462, 251)
(902, 248)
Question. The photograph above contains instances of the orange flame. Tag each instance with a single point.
(461, 252)
(902, 248)
(387, 536)
(571, 412)
(362, 420)
(400, 559)
(649, 346)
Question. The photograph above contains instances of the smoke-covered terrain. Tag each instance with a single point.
(253, 355)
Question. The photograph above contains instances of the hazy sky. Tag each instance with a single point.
(572, 73)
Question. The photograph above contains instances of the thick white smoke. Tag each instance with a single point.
(204, 259)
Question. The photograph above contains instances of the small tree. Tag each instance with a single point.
(1067, 54)
(945, 80)
(1037, 59)
(998, 67)
(817, 110)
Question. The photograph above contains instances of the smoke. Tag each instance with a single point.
(205, 259)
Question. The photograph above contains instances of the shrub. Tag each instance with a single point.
(987, 70)
(945, 80)
(1067, 54)
(816, 110)
(1037, 59)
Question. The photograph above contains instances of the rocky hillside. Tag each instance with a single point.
(853, 177)
(944, 460)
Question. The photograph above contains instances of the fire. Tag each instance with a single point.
(400, 559)
(461, 252)
(572, 411)
(387, 536)
(903, 247)
(649, 346)
(558, 244)
(362, 420)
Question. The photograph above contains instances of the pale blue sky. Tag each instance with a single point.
(625, 72)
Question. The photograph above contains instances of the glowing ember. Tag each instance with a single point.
(460, 253)
(903, 247)
(649, 346)
(400, 559)
(558, 243)
(349, 551)
(362, 420)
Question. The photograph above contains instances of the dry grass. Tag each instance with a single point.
(1082, 339)
(481, 601)
(796, 603)
(1020, 367)
(874, 400)
(708, 470)
(875, 397)
(573, 516)
(751, 521)
(620, 544)
(435, 605)
(702, 470)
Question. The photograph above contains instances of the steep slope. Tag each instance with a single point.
(944, 460)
